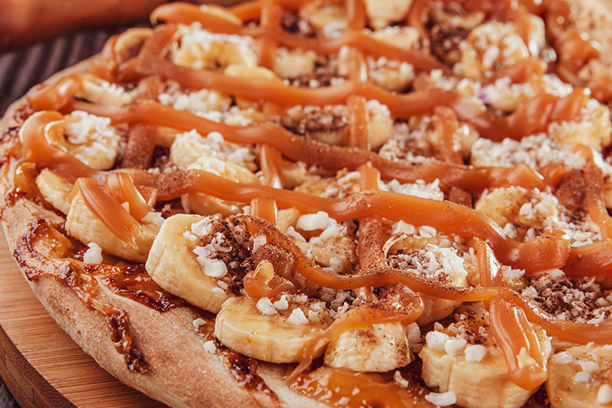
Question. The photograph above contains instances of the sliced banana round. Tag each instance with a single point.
(232, 161)
(294, 63)
(55, 189)
(474, 63)
(101, 92)
(463, 358)
(434, 256)
(379, 348)
(325, 241)
(522, 212)
(89, 138)
(578, 377)
(326, 19)
(173, 264)
(82, 224)
(201, 49)
(248, 72)
(268, 331)
(376, 348)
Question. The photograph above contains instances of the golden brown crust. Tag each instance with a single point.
(179, 371)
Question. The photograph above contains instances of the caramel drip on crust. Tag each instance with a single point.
(83, 280)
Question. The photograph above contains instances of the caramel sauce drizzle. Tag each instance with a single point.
(85, 286)
(548, 251)
(108, 210)
(366, 389)
(513, 333)
(271, 17)
(270, 163)
(510, 328)
(447, 126)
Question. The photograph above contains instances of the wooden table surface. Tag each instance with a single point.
(40, 363)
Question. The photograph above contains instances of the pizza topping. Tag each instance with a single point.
(588, 367)
(94, 254)
(278, 140)
(281, 335)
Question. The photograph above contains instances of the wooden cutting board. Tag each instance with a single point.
(40, 363)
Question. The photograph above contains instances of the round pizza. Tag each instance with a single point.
(357, 203)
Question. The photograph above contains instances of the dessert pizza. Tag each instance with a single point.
(303, 204)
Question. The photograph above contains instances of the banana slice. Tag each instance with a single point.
(89, 138)
(173, 264)
(275, 332)
(294, 63)
(326, 242)
(591, 128)
(380, 348)
(521, 212)
(519, 206)
(201, 49)
(243, 71)
(55, 189)
(343, 184)
(464, 359)
(379, 123)
(328, 20)
(477, 63)
(83, 225)
(101, 92)
(432, 255)
(578, 377)
(382, 13)
(231, 161)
